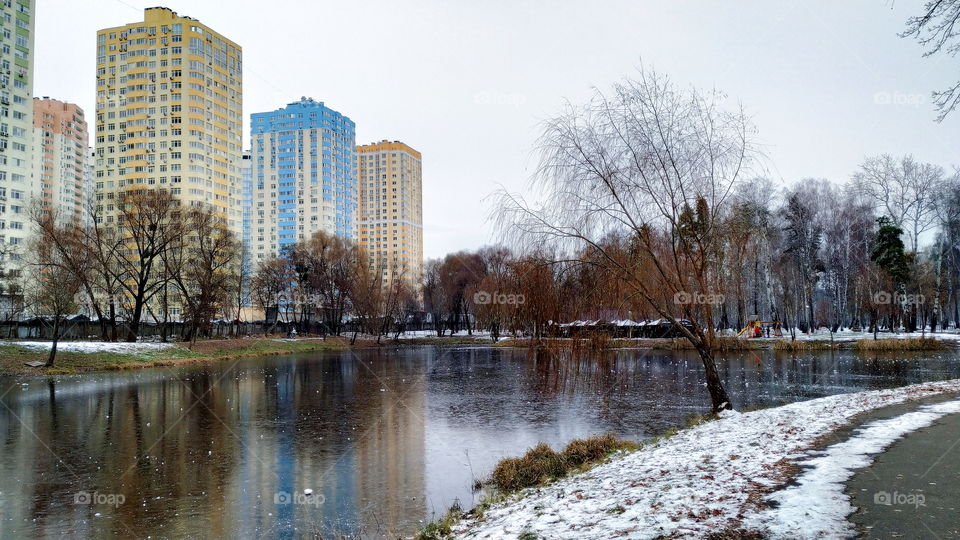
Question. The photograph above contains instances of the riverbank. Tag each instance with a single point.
(709, 481)
(91, 356)
(84, 356)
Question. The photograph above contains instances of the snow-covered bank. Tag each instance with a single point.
(849, 335)
(705, 479)
(92, 346)
(418, 334)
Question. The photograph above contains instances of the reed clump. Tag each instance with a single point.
(542, 463)
(906, 344)
(803, 345)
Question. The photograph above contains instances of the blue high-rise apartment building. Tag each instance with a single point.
(246, 201)
(304, 176)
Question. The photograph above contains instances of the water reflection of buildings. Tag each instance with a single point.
(350, 430)
(204, 453)
(393, 445)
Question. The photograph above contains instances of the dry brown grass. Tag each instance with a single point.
(787, 345)
(734, 344)
(542, 463)
(908, 344)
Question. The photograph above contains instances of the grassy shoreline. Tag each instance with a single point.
(14, 357)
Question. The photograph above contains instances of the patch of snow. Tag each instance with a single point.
(817, 506)
(432, 333)
(93, 346)
(702, 480)
(849, 335)
(728, 413)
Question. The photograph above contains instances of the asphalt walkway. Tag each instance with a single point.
(912, 490)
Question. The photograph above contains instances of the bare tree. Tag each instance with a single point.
(937, 29)
(54, 292)
(492, 314)
(150, 222)
(270, 284)
(434, 295)
(202, 265)
(656, 164)
(904, 190)
(366, 292)
(323, 266)
(395, 294)
(241, 288)
(66, 243)
(104, 244)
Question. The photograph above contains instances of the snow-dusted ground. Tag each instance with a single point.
(820, 335)
(93, 346)
(704, 479)
(849, 335)
(432, 333)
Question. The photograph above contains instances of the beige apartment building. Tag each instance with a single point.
(169, 114)
(60, 158)
(390, 219)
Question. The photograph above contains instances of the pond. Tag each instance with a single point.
(386, 439)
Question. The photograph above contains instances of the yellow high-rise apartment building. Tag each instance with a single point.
(390, 223)
(169, 114)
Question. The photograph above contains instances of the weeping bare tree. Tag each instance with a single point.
(656, 165)
(937, 29)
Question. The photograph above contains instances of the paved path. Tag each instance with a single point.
(912, 490)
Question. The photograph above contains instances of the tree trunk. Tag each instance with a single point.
(134, 328)
(56, 337)
(113, 320)
(718, 394)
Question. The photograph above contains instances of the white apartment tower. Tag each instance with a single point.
(16, 128)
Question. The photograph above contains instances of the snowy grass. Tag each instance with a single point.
(83, 356)
(705, 480)
(850, 335)
(91, 347)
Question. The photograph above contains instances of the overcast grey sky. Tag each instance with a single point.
(467, 82)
